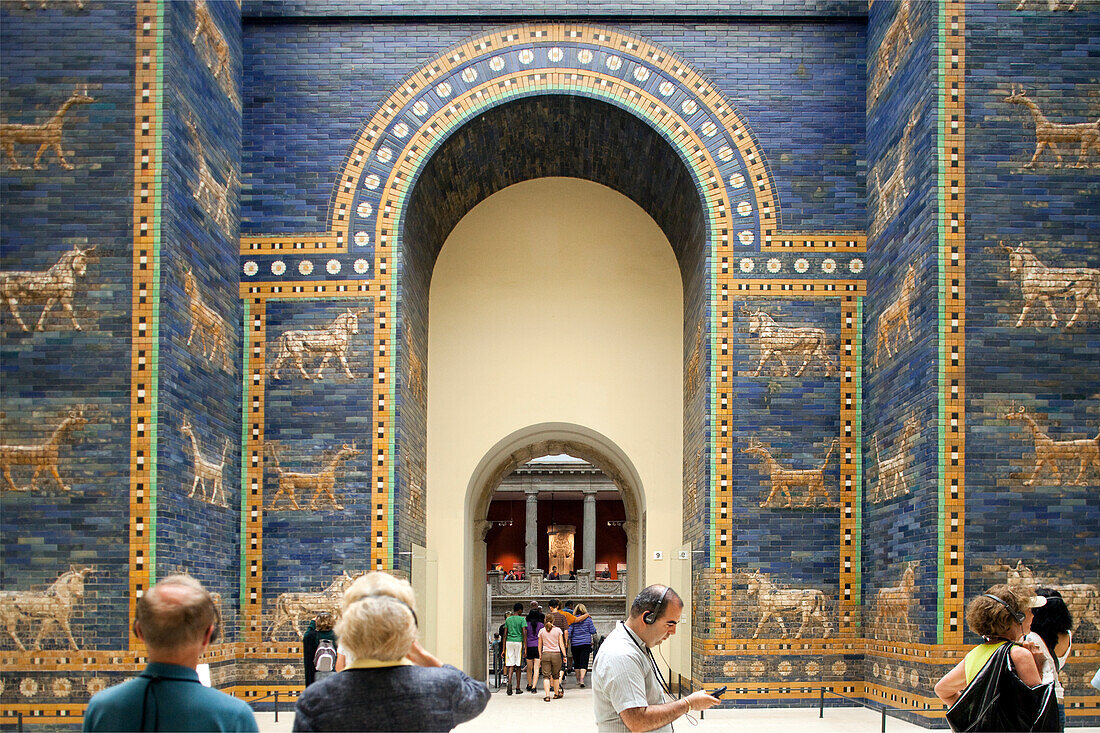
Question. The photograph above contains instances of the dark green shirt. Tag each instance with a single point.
(167, 697)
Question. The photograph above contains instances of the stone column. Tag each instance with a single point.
(590, 529)
(530, 555)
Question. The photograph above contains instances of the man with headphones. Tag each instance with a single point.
(628, 690)
(177, 620)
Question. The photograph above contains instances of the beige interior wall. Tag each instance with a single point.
(555, 300)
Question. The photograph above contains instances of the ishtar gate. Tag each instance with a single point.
(792, 304)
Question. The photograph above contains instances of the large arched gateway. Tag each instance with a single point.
(288, 287)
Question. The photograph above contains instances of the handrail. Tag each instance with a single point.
(885, 709)
(274, 694)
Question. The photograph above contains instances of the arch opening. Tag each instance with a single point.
(542, 137)
(503, 459)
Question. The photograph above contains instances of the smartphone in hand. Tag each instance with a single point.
(719, 692)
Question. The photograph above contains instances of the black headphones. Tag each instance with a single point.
(1015, 614)
(650, 617)
(416, 621)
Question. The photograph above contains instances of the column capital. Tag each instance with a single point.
(532, 493)
(589, 492)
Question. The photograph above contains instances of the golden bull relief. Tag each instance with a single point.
(55, 285)
(324, 342)
(775, 602)
(1040, 283)
(52, 607)
(892, 605)
(890, 50)
(215, 50)
(206, 322)
(1082, 599)
(782, 341)
(894, 316)
(292, 608)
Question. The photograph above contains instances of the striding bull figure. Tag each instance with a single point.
(779, 341)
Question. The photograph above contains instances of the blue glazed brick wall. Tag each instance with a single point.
(49, 373)
(800, 88)
(795, 419)
(900, 489)
(306, 424)
(1050, 372)
(196, 536)
(303, 78)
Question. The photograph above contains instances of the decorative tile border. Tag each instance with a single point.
(298, 243)
(952, 320)
(815, 242)
(254, 378)
(145, 313)
(851, 294)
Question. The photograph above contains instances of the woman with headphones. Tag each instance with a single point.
(1001, 616)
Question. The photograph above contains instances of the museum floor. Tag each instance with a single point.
(574, 712)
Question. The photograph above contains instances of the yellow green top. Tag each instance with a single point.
(977, 657)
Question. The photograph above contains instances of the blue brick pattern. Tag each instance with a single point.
(192, 535)
(48, 373)
(835, 113)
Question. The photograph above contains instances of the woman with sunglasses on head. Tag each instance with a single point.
(1002, 615)
(1051, 631)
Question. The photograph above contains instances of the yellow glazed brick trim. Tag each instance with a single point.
(259, 291)
(146, 163)
(297, 243)
(953, 199)
(500, 40)
(815, 242)
(251, 610)
(258, 294)
(721, 639)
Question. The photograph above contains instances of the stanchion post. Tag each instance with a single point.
(821, 704)
(884, 719)
(19, 721)
(276, 706)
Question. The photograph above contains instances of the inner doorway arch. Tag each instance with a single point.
(514, 451)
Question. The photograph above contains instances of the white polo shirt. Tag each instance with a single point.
(623, 677)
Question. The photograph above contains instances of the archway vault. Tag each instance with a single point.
(370, 224)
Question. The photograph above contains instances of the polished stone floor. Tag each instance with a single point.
(530, 714)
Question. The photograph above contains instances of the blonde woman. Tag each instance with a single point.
(391, 682)
(552, 643)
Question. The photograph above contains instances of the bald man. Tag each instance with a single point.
(177, 620)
